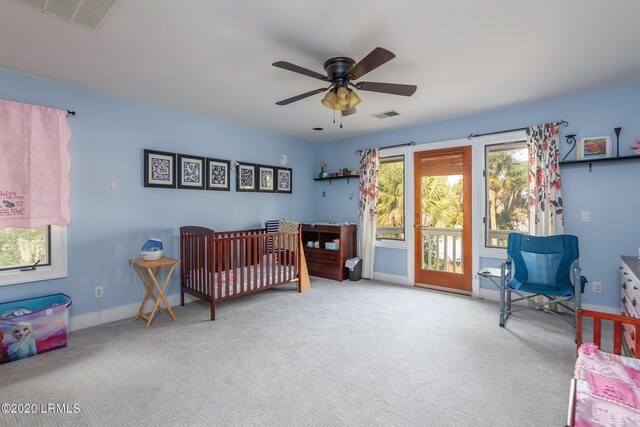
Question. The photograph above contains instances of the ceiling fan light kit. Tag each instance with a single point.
(340, 73)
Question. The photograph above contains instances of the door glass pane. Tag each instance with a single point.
(442, 220)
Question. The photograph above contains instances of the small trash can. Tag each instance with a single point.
(355, 269)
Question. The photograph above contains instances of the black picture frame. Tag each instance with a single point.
(284, 180)
(218, 169)
(191, 172)
(159, 169)
(266, 176)
(246, 177)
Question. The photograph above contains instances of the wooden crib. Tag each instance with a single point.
(621, 325)
(219, 266)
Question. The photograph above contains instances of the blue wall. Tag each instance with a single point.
(610, 192)
(109, 226)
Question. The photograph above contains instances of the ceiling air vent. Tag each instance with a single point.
(386, 114)
(88, 13)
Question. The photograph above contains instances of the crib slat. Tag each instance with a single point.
(617, 335)
(263, 244)
(219, 270)
(596, 331)
(243, 248)
(254, 280)
(272, 273)
(200, 256)
(226, 266)
(285, 261)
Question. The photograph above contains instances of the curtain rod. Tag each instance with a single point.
(358, 151)
(475, 135)
(71, 113)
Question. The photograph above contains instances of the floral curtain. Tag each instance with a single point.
(369, 166)
(545, 200)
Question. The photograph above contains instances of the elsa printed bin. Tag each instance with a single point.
(33, 326)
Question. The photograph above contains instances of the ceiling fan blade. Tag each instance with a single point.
(300, 70)
(301, 96)
(373, 60)
(391, 88)
(346, 113)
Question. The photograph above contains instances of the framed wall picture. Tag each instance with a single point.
(284, 180)
(246, 177)
(594, 147)
(218, 174)
(266, 178)
(159, 169)
(191, 172)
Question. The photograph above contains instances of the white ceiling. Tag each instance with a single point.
(214, 57)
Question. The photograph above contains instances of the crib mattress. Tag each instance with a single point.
(607, 389)
(271, 275)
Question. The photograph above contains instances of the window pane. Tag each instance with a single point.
(507, 192)
(390, 212)
(20, 247)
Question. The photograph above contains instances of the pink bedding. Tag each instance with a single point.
(607, 390)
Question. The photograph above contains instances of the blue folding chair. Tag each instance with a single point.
(541, 266)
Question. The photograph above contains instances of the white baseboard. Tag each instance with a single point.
(601, 308)
(391, 278)
(494, 295)
(122, 312)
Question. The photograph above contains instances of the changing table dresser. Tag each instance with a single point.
(336, 243)
(630, 282)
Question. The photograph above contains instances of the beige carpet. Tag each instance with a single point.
(351, 353)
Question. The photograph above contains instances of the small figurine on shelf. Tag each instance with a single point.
(322, 165)
(636, 147)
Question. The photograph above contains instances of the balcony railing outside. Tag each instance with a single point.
(498, 238)
(442, 247)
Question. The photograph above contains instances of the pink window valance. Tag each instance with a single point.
(34, 166)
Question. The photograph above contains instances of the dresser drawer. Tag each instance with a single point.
(630, 336)
(324, 270)
(322, 255)
(630, 304)
(630, 282)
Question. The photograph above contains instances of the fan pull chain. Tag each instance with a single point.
(334, 117)
(340, 120)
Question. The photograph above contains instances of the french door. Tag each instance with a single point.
(442, 219)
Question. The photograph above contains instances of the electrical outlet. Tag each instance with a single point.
(98, 291)
(596, 287)
(586, 216)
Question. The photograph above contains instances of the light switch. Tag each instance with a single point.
(586, 216)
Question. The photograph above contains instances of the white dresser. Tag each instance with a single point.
(630, 306)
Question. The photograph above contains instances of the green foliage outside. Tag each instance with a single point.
(507, 186)
(442, 207)
(390, 208)
(22, 246)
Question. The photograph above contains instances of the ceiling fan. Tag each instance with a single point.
(341, 72)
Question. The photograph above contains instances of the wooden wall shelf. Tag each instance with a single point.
(347, 177)
(602, 159)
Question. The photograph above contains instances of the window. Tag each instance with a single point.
(506, 191)
(390, 209)
(21, 248)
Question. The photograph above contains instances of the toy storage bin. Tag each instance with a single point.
(33, 326)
